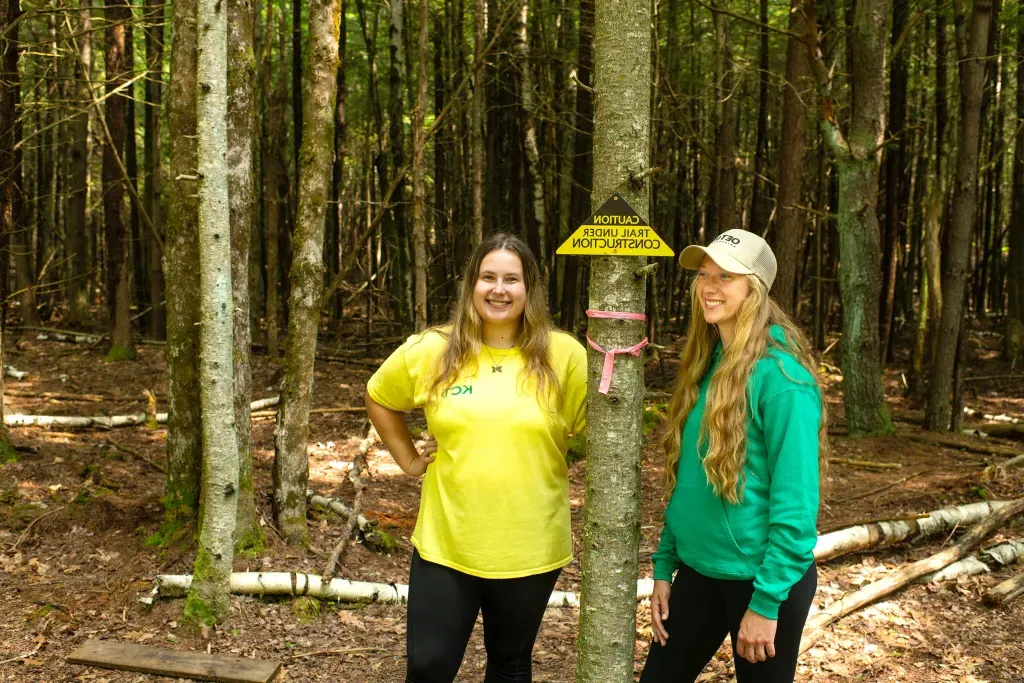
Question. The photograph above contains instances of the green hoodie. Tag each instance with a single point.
(770, 535)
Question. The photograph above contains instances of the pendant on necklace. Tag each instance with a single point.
(495, 368)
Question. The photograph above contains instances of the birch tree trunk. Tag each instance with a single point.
(533, 165)
(419, 190)
(209, 596)
(184, 424)
(792, 152)
(78, 294)
(857, 158)
(291, 464)
(611, 524)
(241, 131)
(122, 347)
(157, 327)
(972, 49)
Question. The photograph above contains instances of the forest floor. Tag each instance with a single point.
(76, 512)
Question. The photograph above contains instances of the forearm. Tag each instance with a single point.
(393, 432)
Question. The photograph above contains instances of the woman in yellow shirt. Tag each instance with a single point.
(501, 391)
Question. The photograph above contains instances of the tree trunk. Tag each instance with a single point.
(272, 196)
(184, 425)
(209, 598)
(611, 525)
(791, 224)
(8, 113)
(131, 163)
(240, 133)
(419, 190)
(402, 277)
(296, 80)
(291, 465)
(477, 124)
(1014, 346)
(723, 212)
(582, 162)
(337, 222)
(157, 328)
(122, 347)
(533, 165)
(761, 205)
(956, 269)
(78, 290)
(857, 161)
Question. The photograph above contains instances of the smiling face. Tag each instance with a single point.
(500, 293)
(721, 294)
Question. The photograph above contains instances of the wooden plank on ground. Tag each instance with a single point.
(199, 666)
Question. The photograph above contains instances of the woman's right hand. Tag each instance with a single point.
(425, 456)
(659, 610)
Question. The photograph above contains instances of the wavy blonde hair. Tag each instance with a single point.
(724, 427)
(464, 332)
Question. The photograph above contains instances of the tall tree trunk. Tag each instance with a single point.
(895, 167)
(122, 346)
(402, 277)
(857, 161)
(533, 165)
(131, 163)
(157, 328)
(582, 161)
(761, 206)
(272, 197)
(184, 423)
(291, 464)
(241, 88)
(419, 190)
(971, 48)
(8, 113)
(337, 222)
(209, 598)
(723, 211)
(297, 79)
(792, 150)
(1014, 346)
(78, 290)
(611, 524)
(477, 124)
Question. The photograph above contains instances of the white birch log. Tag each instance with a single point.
(342, 590)
(862, 537)
(335, 505)
(982, 563)
(105, 421)
(68, 337)
(10, 371)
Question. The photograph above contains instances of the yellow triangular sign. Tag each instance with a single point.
(615, 230)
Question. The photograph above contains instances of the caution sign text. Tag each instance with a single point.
(615, 230)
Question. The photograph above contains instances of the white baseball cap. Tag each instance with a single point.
(736, 251)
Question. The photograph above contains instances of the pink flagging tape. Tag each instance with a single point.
(609, 355)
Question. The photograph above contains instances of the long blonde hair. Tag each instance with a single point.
(724, 427)
(464, 332)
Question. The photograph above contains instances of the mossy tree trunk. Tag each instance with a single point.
(858, 158)
(181, 253)
(122, 347)
(291, 464)
(209, 598)
(241, 131)
(611, 524)
(972, 46)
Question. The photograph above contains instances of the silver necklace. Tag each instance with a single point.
(495, 365)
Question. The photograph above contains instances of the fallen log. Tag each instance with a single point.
(1011, 431)
(865, 536)
(982, 563)
(56, 396)
(342, 590)
(13, 373)
(368, 531)
(105, 421)
(1004, 592)
(851, 602)
(866, 464)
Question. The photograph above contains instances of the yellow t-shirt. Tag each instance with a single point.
(495, 502)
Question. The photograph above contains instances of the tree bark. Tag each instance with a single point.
(402, 277)
(477, 124)
(209, 598)
(791, 224)
(271, 194)
(857, 161)
(761, 205)
(1006, 591)
(971, 49)
(611, 525)
(1014, 344)
(240, 134)
(184, 435)
(419, 190)
(291, 464)
(157, 328)
(122, 347)
(8, 14)
(723, 212)
(533, 164)
(78, 290)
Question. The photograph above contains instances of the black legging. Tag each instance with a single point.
(702, 610)
(443, 605)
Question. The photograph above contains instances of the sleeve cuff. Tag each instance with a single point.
(664, 571)
(764, 604)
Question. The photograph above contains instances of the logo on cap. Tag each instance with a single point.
(728, 239)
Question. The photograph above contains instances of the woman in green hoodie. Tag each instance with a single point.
(745, 447)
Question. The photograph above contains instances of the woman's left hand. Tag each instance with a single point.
(756, 641)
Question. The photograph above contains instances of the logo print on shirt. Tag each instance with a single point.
(458, 390)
